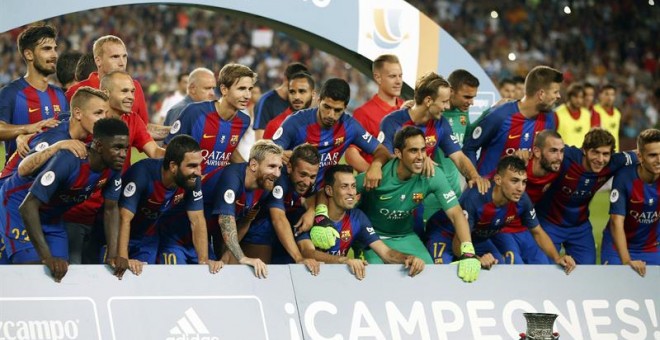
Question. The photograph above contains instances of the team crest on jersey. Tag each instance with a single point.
(175, 127)
(381, 136)
(476, 133)
(345, 235)
(56, 108)
(129, 189)
(509, 219)
(338, 141)
(230, 196)
(430, 141)
(417, 197)
(278, 192)
(177, 198)
(41, 146)
(233, 140)
(48, 178)
(463, 120)
(614, 195)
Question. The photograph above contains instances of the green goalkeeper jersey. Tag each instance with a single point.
(390, 206)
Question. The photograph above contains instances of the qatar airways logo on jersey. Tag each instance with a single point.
(216, 158)
(576, 194)
(644, 217)
(512, 151)
(73, 198)
(329, 158)
(394, 214)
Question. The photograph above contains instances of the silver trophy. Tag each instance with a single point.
(539, 326)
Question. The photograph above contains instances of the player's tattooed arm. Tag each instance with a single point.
(35, 161)
(230, 236)
(158, 132)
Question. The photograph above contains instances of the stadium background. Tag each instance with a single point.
(588, 40)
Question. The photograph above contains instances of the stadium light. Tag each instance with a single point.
(651, 2)
(512, 56)
(567, 9)
(494, 14)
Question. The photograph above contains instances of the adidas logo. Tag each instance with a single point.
(190, 327)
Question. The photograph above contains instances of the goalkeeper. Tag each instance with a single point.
(390, 206)
(487, 214)
(348, 225)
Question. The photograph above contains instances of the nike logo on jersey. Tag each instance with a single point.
(208, 136)
(32, 110)
(384, 198)
(514, 136)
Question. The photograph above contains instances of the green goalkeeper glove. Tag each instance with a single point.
(468, 264)
(323, 233)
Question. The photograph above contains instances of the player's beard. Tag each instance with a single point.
(545, 165)
(264, 184)
(306, 105)
(42, 68)
(182, 181)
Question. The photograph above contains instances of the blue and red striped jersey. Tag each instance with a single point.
(145, 195)
(501, 132)
(566, 202)
(638, 202)
(437, 133)
(484, 217)
(353, 227)
(22, 104)
(66, 181)
(303, 127)
(217, 137)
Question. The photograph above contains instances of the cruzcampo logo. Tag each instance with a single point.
(387, 32)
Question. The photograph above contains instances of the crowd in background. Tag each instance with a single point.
(600, 42)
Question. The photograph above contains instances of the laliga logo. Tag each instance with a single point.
(387, 28)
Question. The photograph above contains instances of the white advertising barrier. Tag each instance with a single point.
(164, 302)
(188, 303)
(594, 302)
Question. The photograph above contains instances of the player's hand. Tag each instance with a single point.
(304, 223)
(214, 266)
(57, 266)
(482, 184)
(22, 146)
(135, 266)
(323, 233)
(567, 262)
(119, 264)
(373, 176)
(487, 261)
(428, 167)
(638, 266)
(357, 267)
(408, 104)
(77, 147)
(40, 125)
(312, 265)
(252, 213)
(414, 264)
(260, 269)
(286, 155)
(469, 265)
(525, 155)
